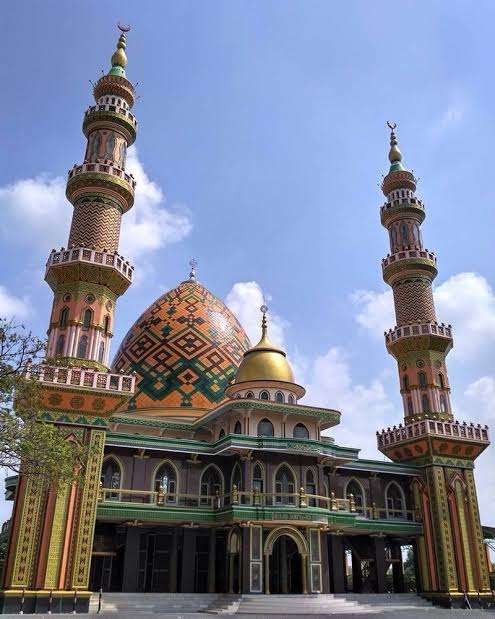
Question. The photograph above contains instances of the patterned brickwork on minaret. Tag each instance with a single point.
(451, 556)
(89, 275)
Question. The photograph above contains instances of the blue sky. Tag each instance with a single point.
(261, 146)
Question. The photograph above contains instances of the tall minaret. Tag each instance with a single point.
(451, 554)
(89, 276)
(410, 270)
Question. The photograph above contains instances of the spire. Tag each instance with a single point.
(394, 155)
(264, 322)
(193, 263)
(119, 58)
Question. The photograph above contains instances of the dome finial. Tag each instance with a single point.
(264, 323)
(193, 263)
(394, 155)
(119, 58)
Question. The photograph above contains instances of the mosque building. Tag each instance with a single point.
(206, 471)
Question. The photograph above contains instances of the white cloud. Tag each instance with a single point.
(365, 408)
(40, 207)
(13, 307)
(465, 300)
(148, 225)
(451, 117)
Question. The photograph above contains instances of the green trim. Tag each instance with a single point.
(151, 423)
(73, 419)
(377, 466)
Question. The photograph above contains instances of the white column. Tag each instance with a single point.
(75, 340)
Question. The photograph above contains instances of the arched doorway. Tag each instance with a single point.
(285, 566)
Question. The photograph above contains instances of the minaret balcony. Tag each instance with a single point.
(80, 390)
(409, 260)
(93, 176)
(410, 206)
(430, 437)
(85, 264)
(102, 114)
(419, 336)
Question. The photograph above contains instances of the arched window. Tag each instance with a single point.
(443, 404)
(279, 397)
(236, 478)
(310, 486)
(87, 318)
(405, 382)
(422, 380)
(101, 352)
(238, 427)
(285, 486)
(111, 478)
(355, 488)
(410, 409)
(394, 498)
(82, 347)
(60, 345)
(166, 482)
(425, 405)
(291, 399)
(441, 381)
(300, 431)
(249, 395)
(264, 395)
(106, 324)
(211, 485)
(64, 317)
(258, 484)
(221, 434)
(265, 428)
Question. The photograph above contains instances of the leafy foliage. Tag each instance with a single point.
(36, 447)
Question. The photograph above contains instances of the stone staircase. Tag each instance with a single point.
(131, 604)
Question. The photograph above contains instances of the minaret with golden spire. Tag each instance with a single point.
(89, 275)
(451, 553)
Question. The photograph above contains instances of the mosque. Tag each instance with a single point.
(205, 470)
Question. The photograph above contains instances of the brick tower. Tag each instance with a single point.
(452, 560)
(52, 529)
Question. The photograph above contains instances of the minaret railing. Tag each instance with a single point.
(417, 329)
(79, 377)
(94, 256)
(106, 168)
(451, 429)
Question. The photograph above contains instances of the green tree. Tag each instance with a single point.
(28, 444)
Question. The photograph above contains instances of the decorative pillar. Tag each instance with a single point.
(267, 574)
(397, 568)
(130, 571)
(380, 563)
(188, 560)
(212, 560)
(304, 571)
(336, 562)
(173, 561)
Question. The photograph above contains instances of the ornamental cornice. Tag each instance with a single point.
(84, 181)
(96, 118)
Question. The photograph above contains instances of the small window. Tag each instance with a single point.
(425, 404)
(249, 395)
(106, 324)
(395, 501)
(285, 486)
(82, 348)
(279, 397)
(264, 395)
(221, 433)
(237, 428)
(101, 352)
(265, 428)
(441, 381)
(111, 478)
(409, 406)
(354, 488)
(88, 315)
(258, 484)
(300, 431)
(310, 487)
(64, 317)
(422, 380)
(443, 404)
(60, 345)
(405, 382)
(166, 482)
(291, 399)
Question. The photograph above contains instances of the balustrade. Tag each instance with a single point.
(407, 254)
(451, 429)
(411, 330)
(106, 168)
(79, 377)
(85, 254)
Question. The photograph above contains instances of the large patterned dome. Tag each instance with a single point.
(185, 349)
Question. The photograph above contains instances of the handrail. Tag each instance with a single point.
(297, 500)
(79, 377)
(102, 258)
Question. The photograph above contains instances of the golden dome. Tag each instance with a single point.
(264, 361)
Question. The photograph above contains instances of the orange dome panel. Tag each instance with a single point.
(185, 349)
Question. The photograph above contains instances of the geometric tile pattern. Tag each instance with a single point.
(185, 349)
(413, 299)
(95, 223)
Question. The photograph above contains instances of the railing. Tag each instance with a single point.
(451, 429)
(399, 201)
(298, 500)
(78, 377)
(428, 328)
(112, 108)
(107, 168)
(84, 254)
(407, 254)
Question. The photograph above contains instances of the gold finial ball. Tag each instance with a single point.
(264, 309)
(394, 154)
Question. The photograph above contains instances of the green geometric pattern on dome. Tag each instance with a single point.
(185, 349)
